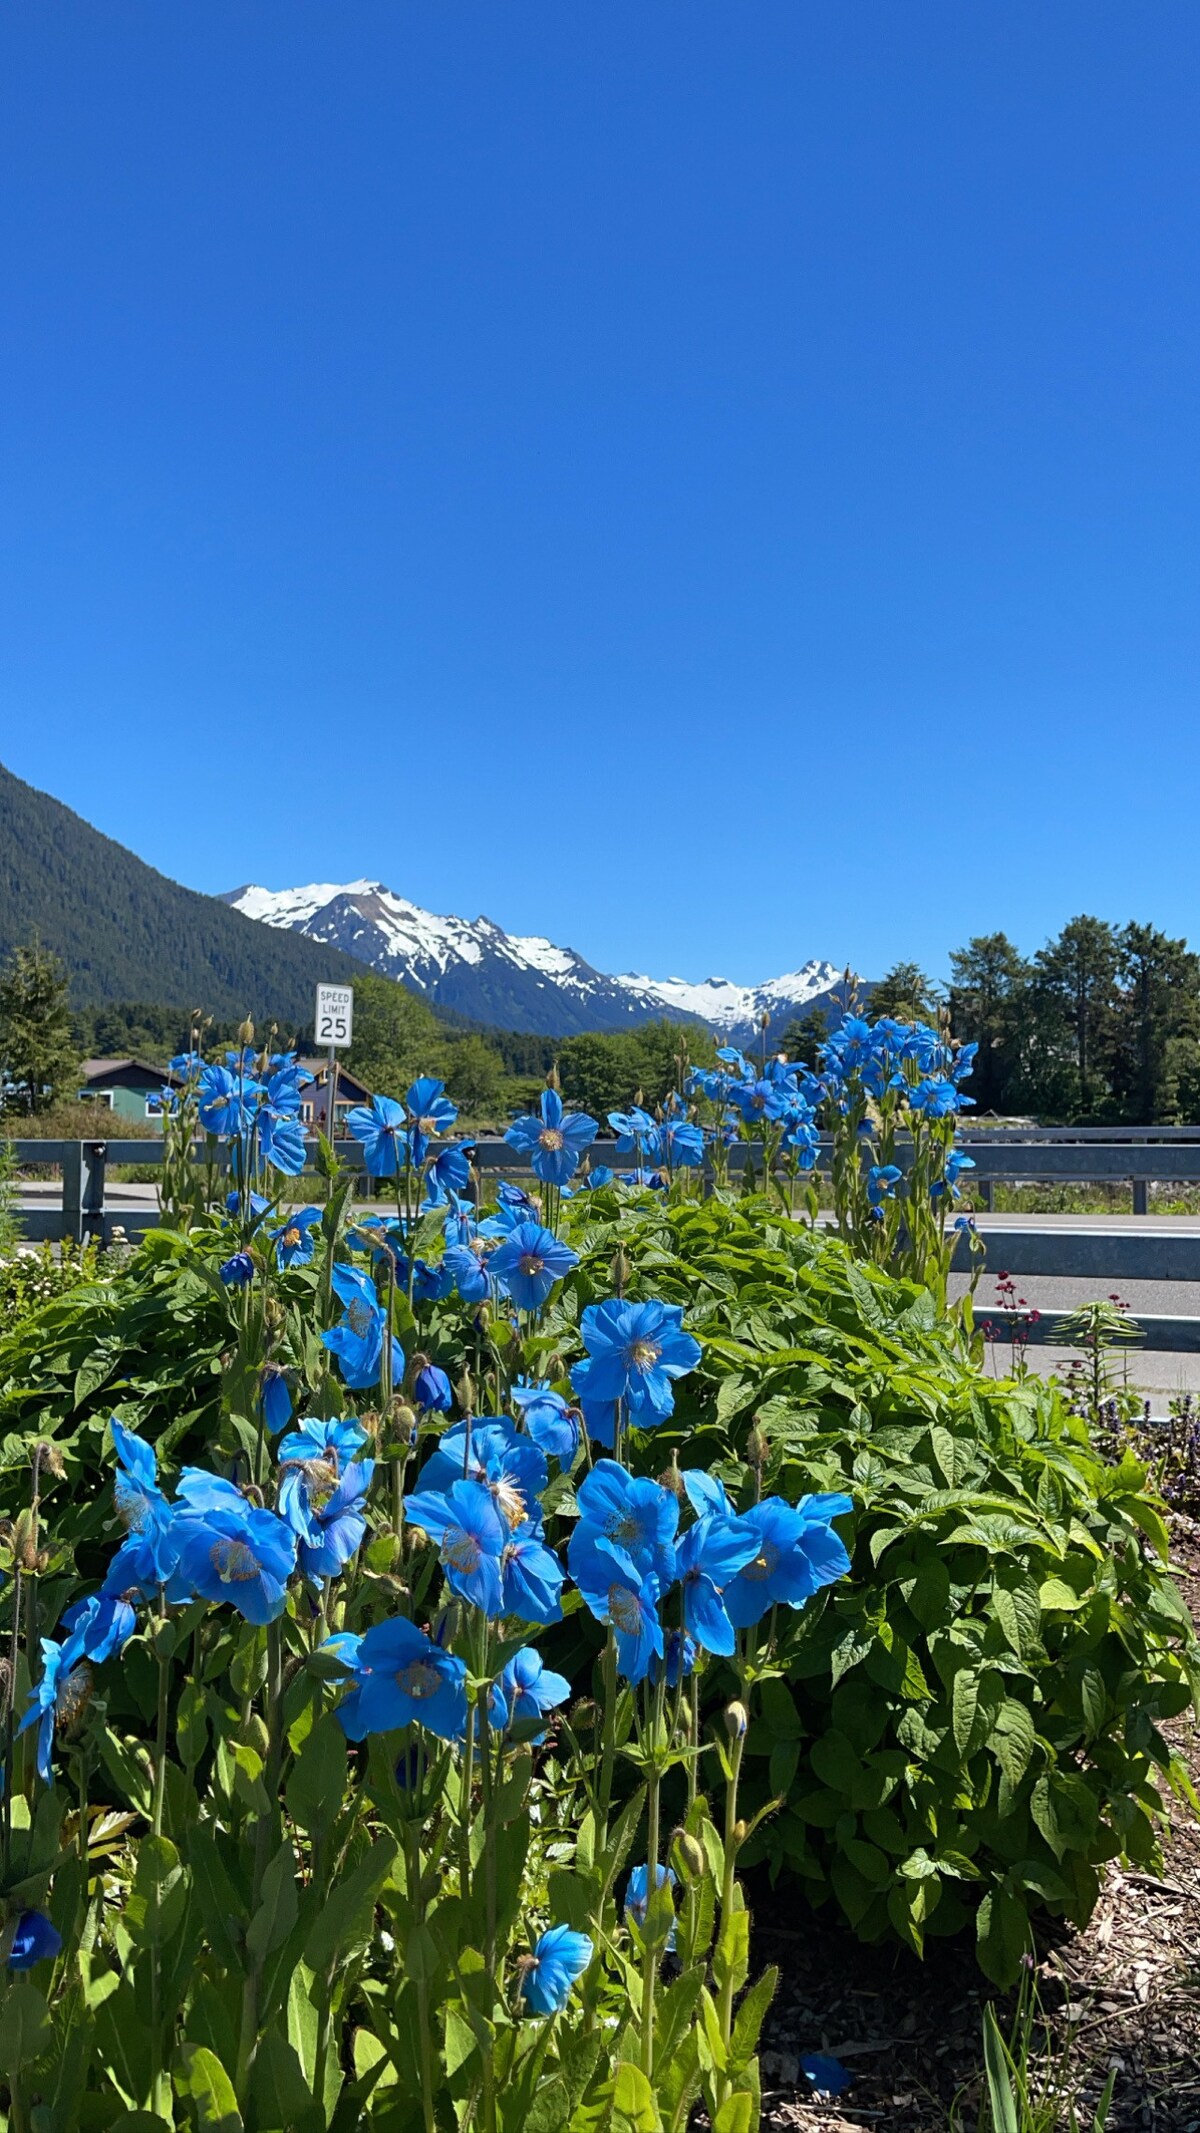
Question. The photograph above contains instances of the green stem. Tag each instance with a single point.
(650, 1952)
(729, 1881)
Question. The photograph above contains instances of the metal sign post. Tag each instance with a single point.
(334, 1027)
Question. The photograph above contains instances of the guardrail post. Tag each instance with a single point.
(93, 1156)
(1141, 1189)
(72, 1199)
(985, 1195)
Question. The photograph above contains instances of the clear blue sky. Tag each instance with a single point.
(714, 483)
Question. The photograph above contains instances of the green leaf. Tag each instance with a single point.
(964, 1703)
(634, 2107)
(999, 2075)
(1002, 1935)
(25, 2031)
(204, 2084)
(278, 1910)
(1012, 1738)
(156, 1903)
(736, 2115)
(318, 1778)
(345, 1916)
(749, 2019)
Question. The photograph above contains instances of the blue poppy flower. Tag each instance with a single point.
(798, 1552)
(529, 1690)
(679, 1657)
(237, 1270)
(239, 1203)
(509, 1465)
(401, 1677)
(430, 1284)
(381, 1129)
(637, 1896)
(430, 1108)
(635, 1350)
(553, 1140)
(57, 1697)
(294, 1241)
(707, 1496)
(882, 1180)
(560, 1957)
(148, 1563)
(625, 1600)
(597, 1179)
(338, 1523)
(470, 1534)
(227, 1102)
(682, 1139)
(467, 1267)
(552, 1425)
(431, 1390)
(136, 1494)
(450, 1169)
(97, 1628)
(636, 1519)
(34, 1940)
(275, 1396)
(531, 1575)
(357, 1341)
(244, 1557)
(281, 1140)
(528, 1262)
(707, 1559)
(315, 1438)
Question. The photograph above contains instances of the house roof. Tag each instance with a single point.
(319, 1069)
(100, 1069)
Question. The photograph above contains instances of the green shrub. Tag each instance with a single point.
(972, 1721)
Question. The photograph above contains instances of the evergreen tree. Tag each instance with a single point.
(37, 1049)
(1158, 1010)
(905, 993)
(988, 982)
(1077, 974)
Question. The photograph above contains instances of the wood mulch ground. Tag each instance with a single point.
(1123, 1993)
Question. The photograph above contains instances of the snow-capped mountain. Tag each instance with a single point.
(516, 981)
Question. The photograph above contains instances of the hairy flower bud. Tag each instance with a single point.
(672, 1479)
(621, 1268)
(552, 1080)
(689, 1851)
(758, 1445)
(483, 1318)
(402, 1423)
(737, 1718)
(246, 1032)
(464, 1393)
(49, 1458)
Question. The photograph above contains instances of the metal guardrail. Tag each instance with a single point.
(1078, 1155)
(1139, 1156)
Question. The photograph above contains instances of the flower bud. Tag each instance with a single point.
(672, 1480)
(483, 1318)
(621, 1268)
(42, 1561)
(48, 1456)
(739, 1832)
(403, 1423)
(690, 1852)
(464, 1393)
(246, 1032)
(758, 1445)
(552, 1080)
(737, 1718)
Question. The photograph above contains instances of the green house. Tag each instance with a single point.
(129, 1088)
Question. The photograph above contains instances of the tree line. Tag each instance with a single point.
(1100, 1026)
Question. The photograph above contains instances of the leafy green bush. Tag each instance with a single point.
(970, 1723)
(972, 1720)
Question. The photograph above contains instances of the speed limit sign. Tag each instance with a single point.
(335, 1014)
